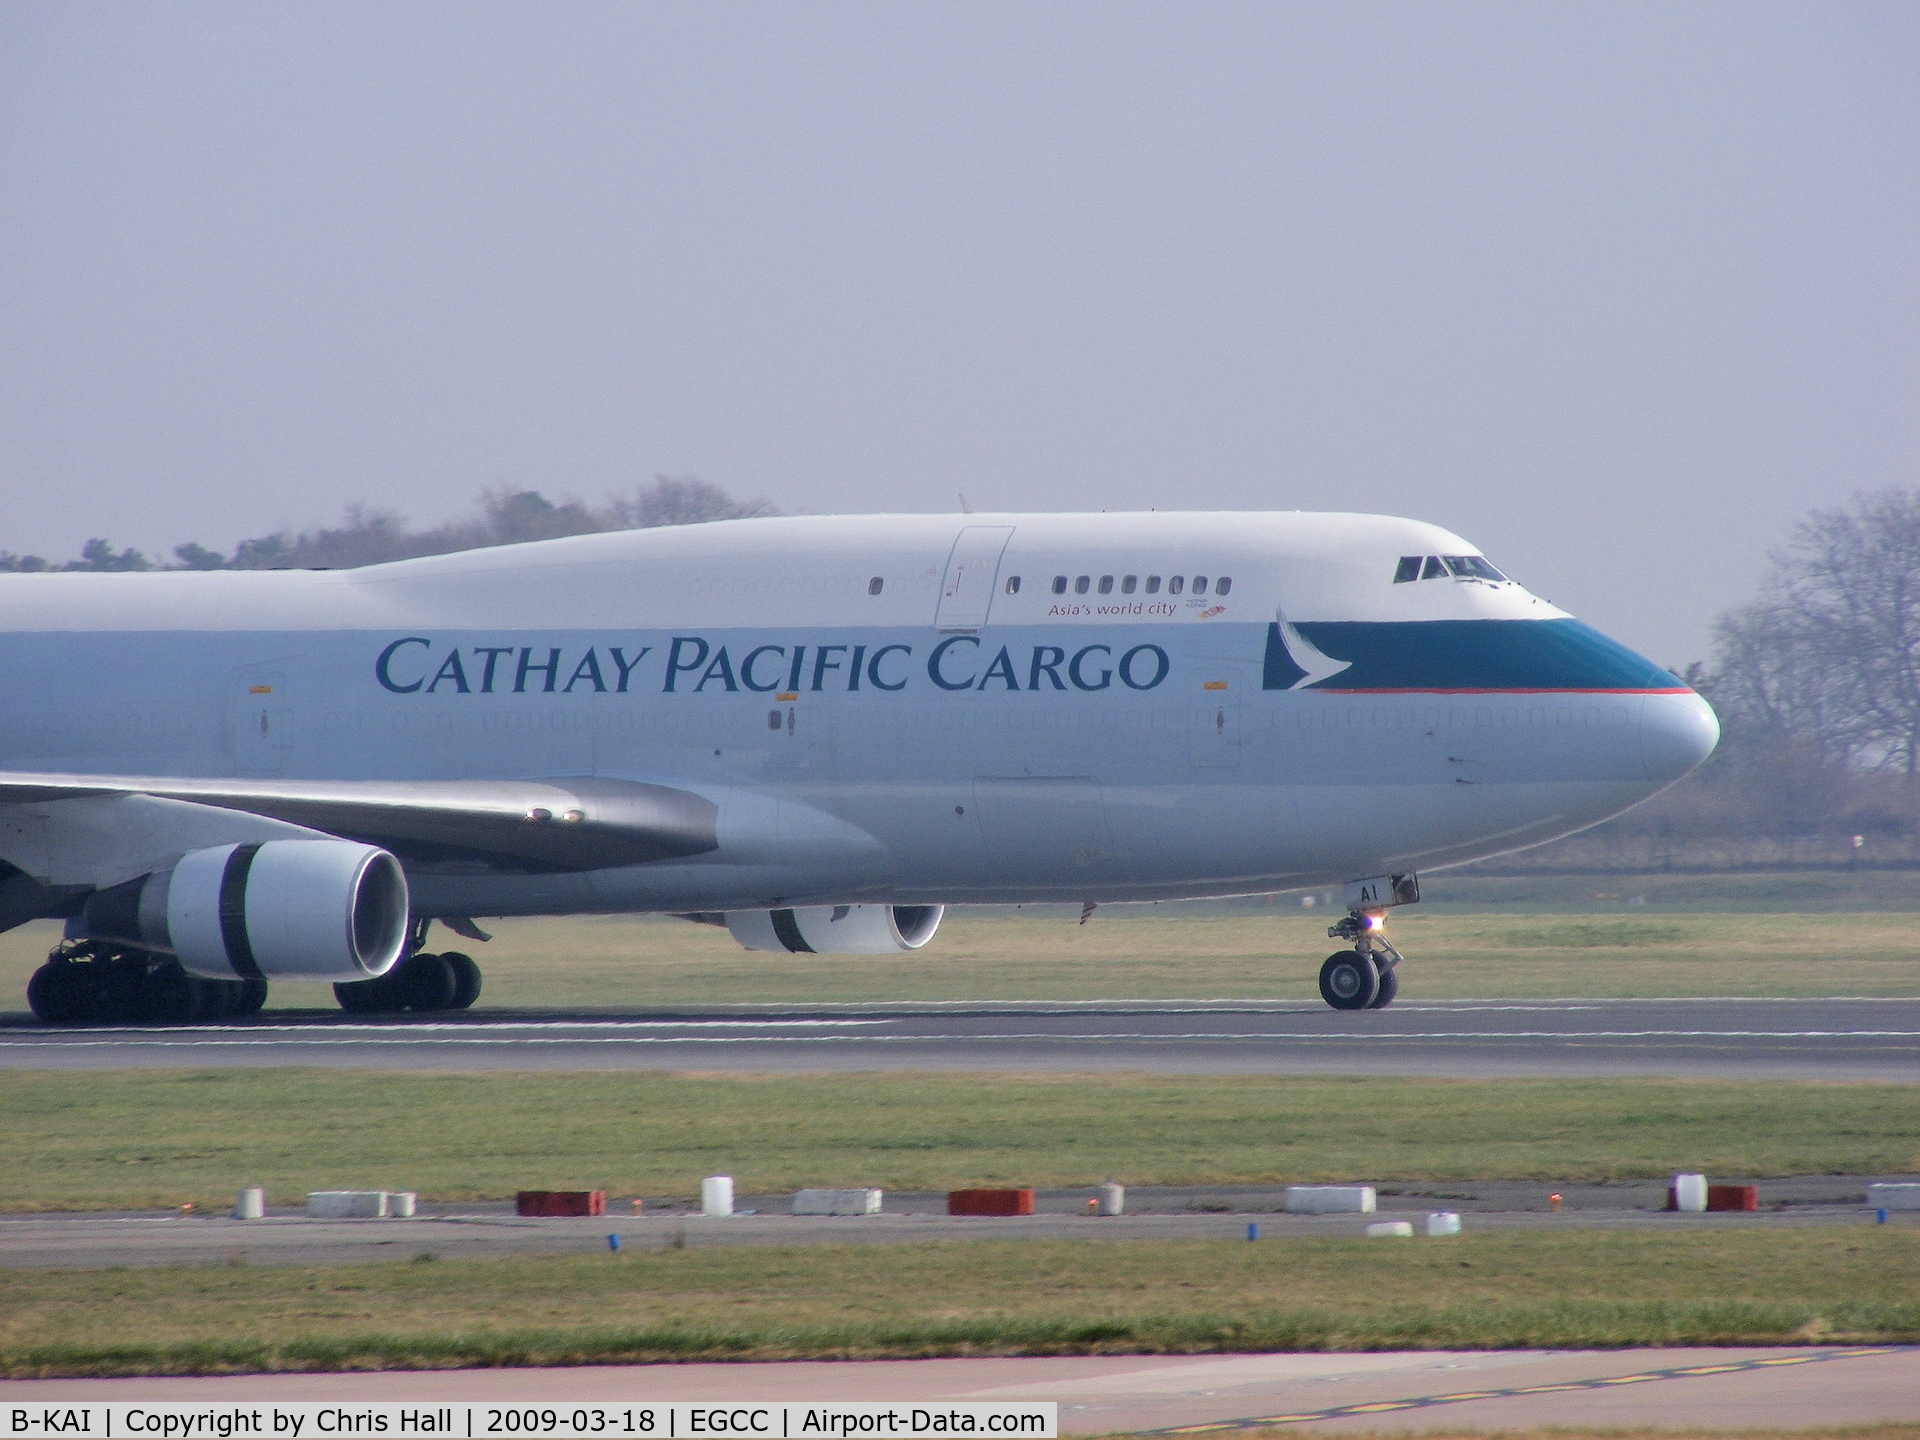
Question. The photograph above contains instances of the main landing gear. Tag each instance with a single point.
(93, 982)
(421, 981)
(1366, 977)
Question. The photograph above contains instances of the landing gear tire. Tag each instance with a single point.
(366, 997)
(170, 996)
(253, 994)
(1389, 987)
(425, 982)
(466, 979)
(1348, 981)
(63, 993)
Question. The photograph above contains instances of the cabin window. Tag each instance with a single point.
(1013, 584)
(1199, 584)
(1059, 584)
(1080, 585)
(1176, 584)
(1106, 584)
(1223, 585)
(1435, 570)
(1153, 584)
(1472, 567)
(1409, 569)
(1130, 584)
(874, 585)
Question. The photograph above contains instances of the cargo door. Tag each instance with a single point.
(973, 571)
(1046, 830)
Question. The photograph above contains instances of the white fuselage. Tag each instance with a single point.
(875, 710)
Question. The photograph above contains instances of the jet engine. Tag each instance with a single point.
(291, 909)
(837, 929)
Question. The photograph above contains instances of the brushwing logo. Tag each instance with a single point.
(1293, 661)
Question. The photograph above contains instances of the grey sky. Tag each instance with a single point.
(1616, 291)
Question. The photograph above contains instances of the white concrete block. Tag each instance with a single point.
(347, 1204)
(1443, 1222)
(1330, 1200)
(1893, 1197)
(1390, 1229)
(716, 1195)
(1690, 1193)
(250, 1204)
(1113, 1198)
(836, 1202)
(400, 1204)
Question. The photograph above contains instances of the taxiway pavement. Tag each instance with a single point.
(1796, 1039)
(1105, 1394)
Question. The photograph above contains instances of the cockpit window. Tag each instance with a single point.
(1435, 570)
(1409, 569)
(1472, 567)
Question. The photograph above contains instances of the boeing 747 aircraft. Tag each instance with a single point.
(814, 731)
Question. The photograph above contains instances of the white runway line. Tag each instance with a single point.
(412, 1038)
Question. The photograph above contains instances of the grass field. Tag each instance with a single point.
(90, 1140)
(637, 962)
(844, 1302)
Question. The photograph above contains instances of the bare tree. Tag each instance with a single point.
(1829, 654)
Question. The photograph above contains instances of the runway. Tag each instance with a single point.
(1107, 1394)
(1791, 1039)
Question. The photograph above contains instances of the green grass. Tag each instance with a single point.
(639, 962)
(130, 1139)
(1568, 1289)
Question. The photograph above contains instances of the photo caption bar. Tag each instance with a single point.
(757, 1420)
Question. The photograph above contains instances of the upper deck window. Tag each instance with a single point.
(1153, 584)
(1176, 584)
(1199, 584)
(1059, 584)
(1129, 584)
(875, 585)
(1223, 585)
(1106, 584)
(1080, 585)
(1013, 584)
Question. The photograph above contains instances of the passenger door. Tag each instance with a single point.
(262, 721)
(1216, 705)
(973, 570)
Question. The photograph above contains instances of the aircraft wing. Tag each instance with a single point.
(567, 824)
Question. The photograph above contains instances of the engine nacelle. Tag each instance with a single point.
(837, 929)
(285, 909)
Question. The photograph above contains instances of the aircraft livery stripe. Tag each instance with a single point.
(1441, 656)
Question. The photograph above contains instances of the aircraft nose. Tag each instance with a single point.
(1677, 732)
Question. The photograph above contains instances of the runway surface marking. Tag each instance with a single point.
(407, 1035)
(1606, 1382)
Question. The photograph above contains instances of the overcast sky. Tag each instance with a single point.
(1617, 292)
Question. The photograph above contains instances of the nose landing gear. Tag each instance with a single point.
(1366, 977)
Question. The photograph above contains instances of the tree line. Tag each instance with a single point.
(369, 535)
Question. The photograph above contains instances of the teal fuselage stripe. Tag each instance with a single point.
(1465, 655)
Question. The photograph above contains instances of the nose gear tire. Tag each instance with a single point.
(1348, 981)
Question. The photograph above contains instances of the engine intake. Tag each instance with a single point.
(837, 929)
(288, 909)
